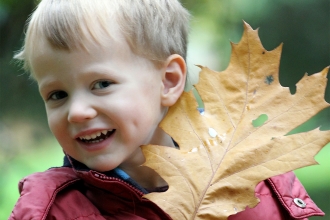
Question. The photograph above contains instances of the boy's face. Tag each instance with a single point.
(102, 104)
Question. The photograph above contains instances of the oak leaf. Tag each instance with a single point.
(222, 156)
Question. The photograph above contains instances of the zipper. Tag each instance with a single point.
(108, 178)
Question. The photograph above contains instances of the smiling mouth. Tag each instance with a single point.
(96, 137)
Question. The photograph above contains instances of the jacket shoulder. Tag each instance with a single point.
(61, 193)
(38, 191)
(281, 197)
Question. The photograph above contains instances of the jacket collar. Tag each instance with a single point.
(116, 173)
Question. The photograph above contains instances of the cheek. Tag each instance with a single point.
(55, 123)
(139, 112)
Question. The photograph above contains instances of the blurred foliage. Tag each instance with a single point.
(302, 25)
(19, 97)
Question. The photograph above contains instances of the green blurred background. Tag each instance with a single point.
(27, 146)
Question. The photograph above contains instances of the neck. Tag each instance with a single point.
(146, 177)
(143, 175)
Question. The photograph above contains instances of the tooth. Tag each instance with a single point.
(93, 136)
(87, 137)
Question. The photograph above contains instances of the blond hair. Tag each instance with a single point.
(154, 29)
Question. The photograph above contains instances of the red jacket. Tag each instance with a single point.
(62, 193)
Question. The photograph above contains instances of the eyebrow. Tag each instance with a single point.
(45, 85)
(89, 73)
(101, 71)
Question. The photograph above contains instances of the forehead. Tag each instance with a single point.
(88, 45)
(114, 56)
(45, 56)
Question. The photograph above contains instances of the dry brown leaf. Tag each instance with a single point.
(222, 156)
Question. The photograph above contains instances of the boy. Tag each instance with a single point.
(107, 71)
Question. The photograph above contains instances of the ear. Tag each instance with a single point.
(173, 79)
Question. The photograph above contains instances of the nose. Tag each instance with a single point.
(81, 110)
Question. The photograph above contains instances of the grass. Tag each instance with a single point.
(47, 154)
(316, 180)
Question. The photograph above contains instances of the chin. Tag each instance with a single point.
(101, 166)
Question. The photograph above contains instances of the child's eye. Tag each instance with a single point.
(58, 95)
(102, 84)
